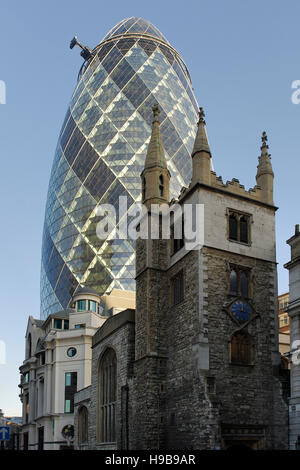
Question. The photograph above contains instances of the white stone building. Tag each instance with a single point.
(294, 313)
(58, 363)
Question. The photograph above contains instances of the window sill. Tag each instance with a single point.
(106, 446)
(239, 243)
(240, 364)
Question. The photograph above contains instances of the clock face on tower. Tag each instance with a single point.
(240, 310)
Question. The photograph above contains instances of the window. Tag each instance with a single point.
(29, 343)
(81, 306)
(92, 306)
(177, 288)
(239, 227)
(233, 282)
(284, 320)
(26, 377)
(41, 438)
(107, 396)
(25, 441)
(71, 352)
(66, 324)
(80, 325)
(161, 185)
(239, 281)
(244, 284)
(70, 390)
(244, 229)
(57, 324)
(233, 227)
(26, 408)
(82, 425)
(42, 358)
(240, 350)
(283, 303)
(177, 243)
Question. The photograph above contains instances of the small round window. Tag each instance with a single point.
(71, 352)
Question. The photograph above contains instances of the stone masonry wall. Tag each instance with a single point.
(122, 341)
(249, 395)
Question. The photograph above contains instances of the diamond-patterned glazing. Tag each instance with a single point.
(101, 152)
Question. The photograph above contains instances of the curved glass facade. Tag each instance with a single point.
(100, 155)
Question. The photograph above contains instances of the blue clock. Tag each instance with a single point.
(240, 310)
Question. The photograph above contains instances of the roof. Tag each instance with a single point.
(85, 290)
(61, 314)
(155, 156)
(135, 25)
(114, 323)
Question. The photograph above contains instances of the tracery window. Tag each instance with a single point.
(83, 425)
(240, 350)
(107, 380)
(239, 227)
(239, 281)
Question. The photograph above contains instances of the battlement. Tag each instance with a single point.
(235, 187)
(232, 187)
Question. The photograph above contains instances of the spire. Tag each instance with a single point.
(265, 175)
(156, 154)
(155, 175)
(264, 161)
(201, 156)
(201, 141)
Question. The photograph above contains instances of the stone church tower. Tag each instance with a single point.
(197, 365)
(207, 366)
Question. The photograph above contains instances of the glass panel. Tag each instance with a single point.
(244, 284)
(67, 406)
(57, 323)
(233, 227)
(81, 305)
(244, 229)
(92, 306)
(68, 379)
(233, 282)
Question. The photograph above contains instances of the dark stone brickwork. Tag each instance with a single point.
(122, 341)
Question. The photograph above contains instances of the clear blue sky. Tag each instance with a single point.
(243, 58)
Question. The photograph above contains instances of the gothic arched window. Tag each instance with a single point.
(244, 284)
(240, 351)
(83, 425)
(233, 283)
(244, 229)
(233, 227)
(107, 396)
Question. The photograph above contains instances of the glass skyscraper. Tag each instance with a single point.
(100, 155)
